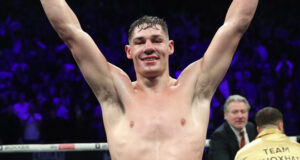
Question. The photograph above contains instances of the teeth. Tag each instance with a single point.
(149, 59)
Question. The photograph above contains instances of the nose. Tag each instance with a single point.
(240, 114)
(149, 49)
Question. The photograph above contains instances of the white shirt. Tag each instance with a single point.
(238, 136)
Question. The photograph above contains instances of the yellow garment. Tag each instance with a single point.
(270, 144)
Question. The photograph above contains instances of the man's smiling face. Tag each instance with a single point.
(149, 48)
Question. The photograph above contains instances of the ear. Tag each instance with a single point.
(225, 115)
(258, 130)
(171, 47)
(280, 126)
(128, 51)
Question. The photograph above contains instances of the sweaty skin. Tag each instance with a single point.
(160, 123)
(156, 117)
(156, 127)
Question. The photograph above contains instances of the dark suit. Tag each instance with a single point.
(224, 144)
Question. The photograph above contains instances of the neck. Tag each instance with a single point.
(154, 84)
(278, 126)
(236, 129)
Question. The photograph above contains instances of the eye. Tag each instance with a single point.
(234, 112)
(244, 111)
(138, 42)
(157, 40)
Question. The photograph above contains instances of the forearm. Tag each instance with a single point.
(240, 13)
(61, 17)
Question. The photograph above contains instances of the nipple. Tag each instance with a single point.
(131, 124)
(182, 122)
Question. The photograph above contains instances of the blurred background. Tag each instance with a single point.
(44, 98)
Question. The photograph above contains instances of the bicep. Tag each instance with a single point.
(93, 65)
(206, 73)
(218, 56)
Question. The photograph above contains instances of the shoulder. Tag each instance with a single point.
(249, 151)
(251, 127)
(250, 124)
(296, 145)
(222, 130)
(198, 80)
(251, 130)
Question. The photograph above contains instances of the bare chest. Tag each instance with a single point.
(154, 126)
(158, 119)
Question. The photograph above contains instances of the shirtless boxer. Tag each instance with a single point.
(156, 117)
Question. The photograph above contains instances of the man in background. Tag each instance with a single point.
(271, 142)
(235, 132)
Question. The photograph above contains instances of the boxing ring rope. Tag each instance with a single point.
(65, 147)
(20, 148)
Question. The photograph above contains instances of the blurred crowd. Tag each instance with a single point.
(44, 98)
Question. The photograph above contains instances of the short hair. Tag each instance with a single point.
(235, 98)
(151, 21)
(268, 116)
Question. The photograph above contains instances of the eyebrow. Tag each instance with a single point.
(142, 37)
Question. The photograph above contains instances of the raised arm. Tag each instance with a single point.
(90, 60)
(215, 62)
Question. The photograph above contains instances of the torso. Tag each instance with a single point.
(163, 126)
